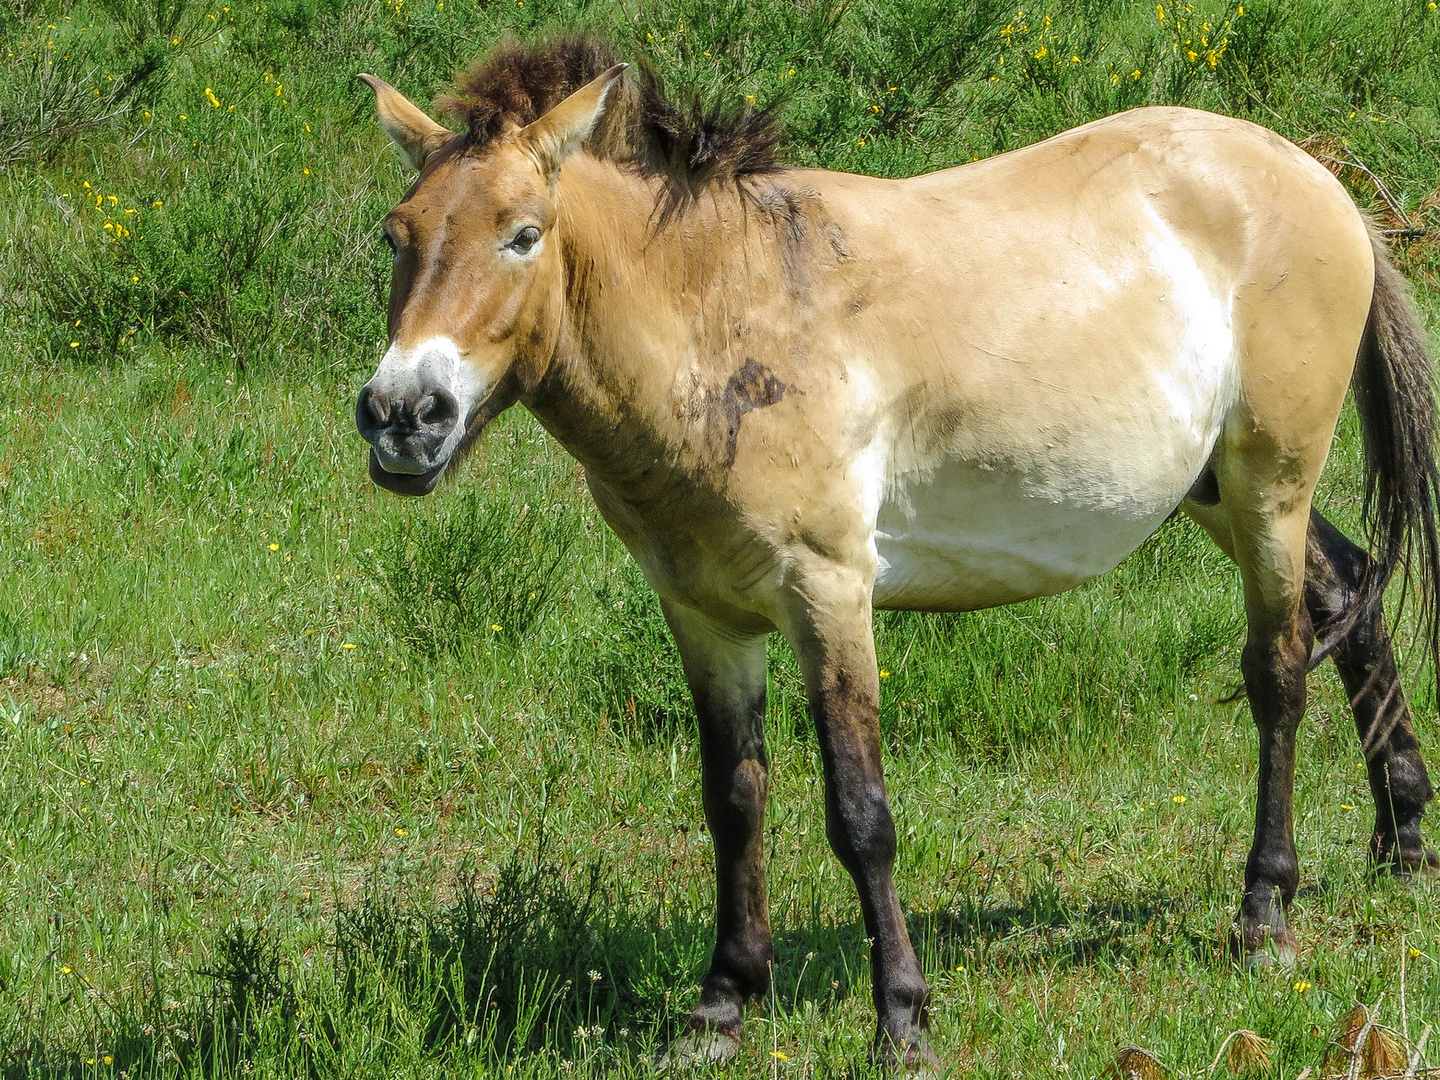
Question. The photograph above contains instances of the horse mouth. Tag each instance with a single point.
(505, 394)
(421, 483)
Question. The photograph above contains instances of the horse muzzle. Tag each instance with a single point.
(410, 436)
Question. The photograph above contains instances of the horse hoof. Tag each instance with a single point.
(1423, 869)
(1266, 954)
(1410, 868)
(1278, 957)
(910, 1057)
(1260, 949)
(697, 1049)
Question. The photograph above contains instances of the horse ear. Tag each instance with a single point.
(559, 133)
(414, 134)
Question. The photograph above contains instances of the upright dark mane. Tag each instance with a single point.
(690, 145)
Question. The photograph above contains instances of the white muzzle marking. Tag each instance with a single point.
(412, 373)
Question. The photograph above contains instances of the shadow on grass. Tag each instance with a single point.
(545, 961)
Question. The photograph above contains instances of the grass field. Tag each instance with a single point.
(298, 779)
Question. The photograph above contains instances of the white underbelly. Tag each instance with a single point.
(969, 538)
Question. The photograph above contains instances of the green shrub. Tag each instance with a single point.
(471, 569)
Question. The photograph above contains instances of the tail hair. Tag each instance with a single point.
(1394, 384)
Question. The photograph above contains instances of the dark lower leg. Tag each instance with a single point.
(735, 790)
(1399, 783)
(862, 834)
(727, 678)
(1273, 665)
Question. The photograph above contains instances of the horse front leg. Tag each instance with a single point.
(726, 673)
(830, 627)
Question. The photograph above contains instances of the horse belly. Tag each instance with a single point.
(967, 537)
(998, 521)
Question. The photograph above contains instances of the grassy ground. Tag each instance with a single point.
(299, 779)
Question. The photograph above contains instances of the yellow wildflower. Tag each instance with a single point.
(210, 97)
(1301, 986)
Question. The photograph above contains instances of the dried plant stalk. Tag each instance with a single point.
(1132, 1063)
(1382, 1054)
(1247, 1053)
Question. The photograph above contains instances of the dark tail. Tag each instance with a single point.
(1395, 398)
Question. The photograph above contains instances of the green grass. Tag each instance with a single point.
(297, 778)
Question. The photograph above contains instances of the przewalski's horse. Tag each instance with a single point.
(802, 395)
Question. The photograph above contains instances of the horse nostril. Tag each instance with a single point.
(440, 410)
(371, 414)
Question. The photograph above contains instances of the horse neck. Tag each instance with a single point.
(640, 304)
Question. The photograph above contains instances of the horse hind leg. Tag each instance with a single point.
(1399, 782)
(1269, 549)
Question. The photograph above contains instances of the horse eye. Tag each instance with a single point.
(524, 240)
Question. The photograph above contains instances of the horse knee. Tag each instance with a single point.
(860, 827)
(735, 803)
